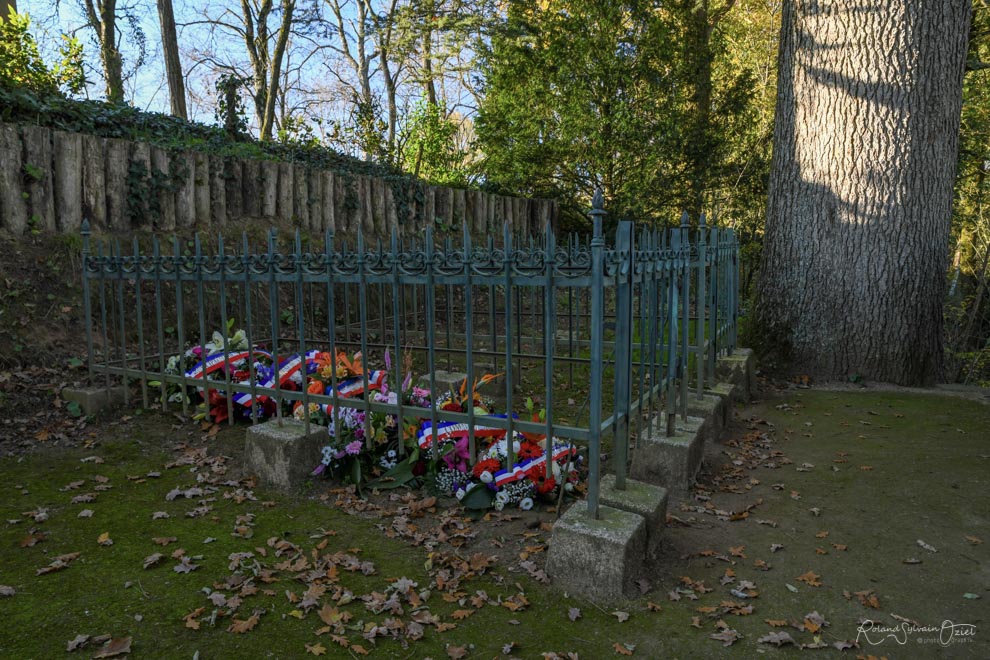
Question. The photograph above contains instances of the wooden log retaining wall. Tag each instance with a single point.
(51, 179)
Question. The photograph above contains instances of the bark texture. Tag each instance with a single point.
(173, 66)
(865, 145)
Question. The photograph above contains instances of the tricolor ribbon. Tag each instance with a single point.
(352, 387)
(522, 470)
(453, 430)
(286, 370)
(216, 361)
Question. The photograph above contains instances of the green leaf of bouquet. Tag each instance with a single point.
(479, 497)
(400, 475)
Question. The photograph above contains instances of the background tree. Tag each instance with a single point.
(173, 66)
(102, 17)
(865, 145)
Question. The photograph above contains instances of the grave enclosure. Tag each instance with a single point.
(620, 339)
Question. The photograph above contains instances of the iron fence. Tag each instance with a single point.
(609, 338)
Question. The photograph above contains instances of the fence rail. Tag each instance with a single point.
(607, 337)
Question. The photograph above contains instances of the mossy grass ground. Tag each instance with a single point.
(927, 480)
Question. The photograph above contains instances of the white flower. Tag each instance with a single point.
(502, 497)
(460, 493)
(390, 453)
(556, 471)
(568, 486)
(499, 504)
(469, 487)
(486, 477)
(526, 503)
(515, 446)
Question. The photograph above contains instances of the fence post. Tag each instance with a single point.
(684, 256)
(701, 300)
(597, 328)
(623, 347)
(84, 231)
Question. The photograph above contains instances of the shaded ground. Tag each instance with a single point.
(882, 470)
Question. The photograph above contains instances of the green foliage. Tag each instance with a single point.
(21, 63)
(230, 112)
(431, 148)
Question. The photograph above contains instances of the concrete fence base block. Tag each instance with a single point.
(738, 369)
(94, 399)
(642, 499)
(670, 461)
(283, 456)
(598, 559)
(713, 408)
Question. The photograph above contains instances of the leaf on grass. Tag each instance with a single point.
(696, 622)
(624, 649)
(151, 560)
(32, 539)
(117, 646)
(85, 513)
(776, 638)
(822, 534)
(460, 615)
(738, 551)
(776, 623)
(841, 547)
(911, 560)
(621, 616)
(926, 546)
(728, 637)
(811, 579)
(241, 626)
(653, 607)
(868, 599)
(774, 547)
(104, 539)
(58, 563)
(76, 643)
(158, 515)
(163, 540)
(316, 649)
(644, 586)
(190, 619)
(791, 588)
(974, 540)
(842, 645)
(456, 652)
(573, 614)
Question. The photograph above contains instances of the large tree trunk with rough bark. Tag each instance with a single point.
(865, 144)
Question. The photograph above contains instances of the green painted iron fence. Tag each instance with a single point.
(605, 337)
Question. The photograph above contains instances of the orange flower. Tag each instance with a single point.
(346, 367)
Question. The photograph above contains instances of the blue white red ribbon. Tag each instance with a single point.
(454, 430)
(522, 470)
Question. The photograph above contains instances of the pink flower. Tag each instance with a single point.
(407, 382)
(458, 458)
(354, 448)
(388, 360)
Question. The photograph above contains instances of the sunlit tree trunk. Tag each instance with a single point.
(102, 17)
(861, 186)
(173, 66)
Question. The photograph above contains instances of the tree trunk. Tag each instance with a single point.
(7, 7)
(865, 144)
(173, 67)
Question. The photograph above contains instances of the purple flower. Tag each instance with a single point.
(388, 360)
(407, 382)
(354, 448)
(318, 470)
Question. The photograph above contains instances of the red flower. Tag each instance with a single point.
(544, 486)
(452, 406)
(419, 468)
(218, 407)
(529, 450)
(489, 464)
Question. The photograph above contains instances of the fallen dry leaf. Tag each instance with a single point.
(316, 649)
(76, 642)
(621, 616)
(811, 579)
(114, 647)
(776, 638)
(624, 649)
(728, 637)
(151, 560)
(573, 614)
(455, 652)
(240, 626)
(104, 539)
